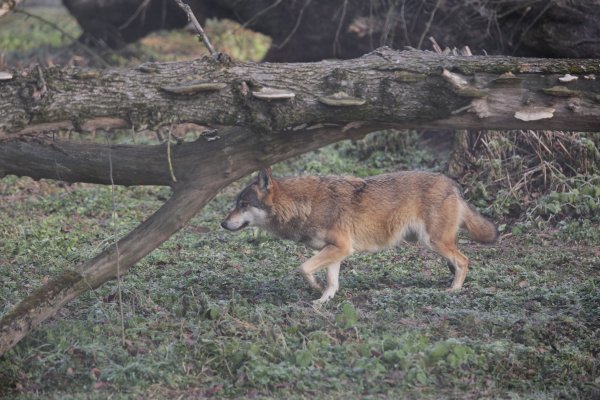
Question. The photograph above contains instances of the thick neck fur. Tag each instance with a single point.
(290, 210)
(288, 204)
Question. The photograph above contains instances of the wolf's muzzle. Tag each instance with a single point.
(225, 225)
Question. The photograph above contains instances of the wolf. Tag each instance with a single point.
(341, 215)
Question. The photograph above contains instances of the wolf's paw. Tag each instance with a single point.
(320, 302)
(327, 295)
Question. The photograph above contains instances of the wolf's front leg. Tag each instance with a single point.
(330, 256)
(333, 284)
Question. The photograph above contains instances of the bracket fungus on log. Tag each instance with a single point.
(267, 93)
(5, 76)
(342, 99)
(561, 91)
(534, 113)
(568, 78)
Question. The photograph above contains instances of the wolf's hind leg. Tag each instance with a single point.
(312, 281)
(457, 262)
(451, 267)
(461, 266)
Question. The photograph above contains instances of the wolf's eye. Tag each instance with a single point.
(243, 204)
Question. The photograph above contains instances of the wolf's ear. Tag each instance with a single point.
(265, 181)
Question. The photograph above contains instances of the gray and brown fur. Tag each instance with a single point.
(341, 215)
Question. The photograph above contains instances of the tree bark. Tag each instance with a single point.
(89, 162)
(404, 89)
(331, 101)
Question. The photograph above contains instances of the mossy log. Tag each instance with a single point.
(451, 91)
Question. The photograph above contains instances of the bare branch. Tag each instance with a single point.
(47, 300)
(70, 161)
(143, 5)
(428, 24)
(296, 26)
(192, 18)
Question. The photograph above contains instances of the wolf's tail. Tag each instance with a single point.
(480, 229)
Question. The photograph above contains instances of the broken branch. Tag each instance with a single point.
(192, 18)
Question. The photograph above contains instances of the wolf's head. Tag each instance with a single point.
(253, 204)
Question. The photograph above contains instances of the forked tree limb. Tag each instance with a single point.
(70, 161)
(203, 169)
(88, 162)
(395, 89)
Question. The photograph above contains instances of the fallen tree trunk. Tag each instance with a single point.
(405, 89)
(270, 113)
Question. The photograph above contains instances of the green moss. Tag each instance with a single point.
(499, 68)
(408, 76)
(562, 91)
(470, 91)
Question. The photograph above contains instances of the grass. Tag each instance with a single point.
(215, 314)
(212, 313)
(23, 32)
